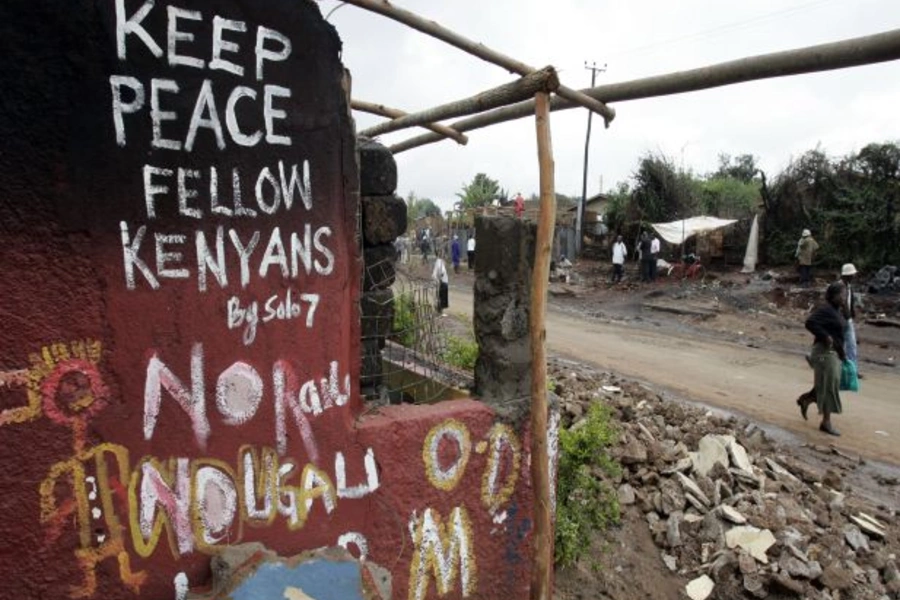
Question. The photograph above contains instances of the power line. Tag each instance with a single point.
(724, 28)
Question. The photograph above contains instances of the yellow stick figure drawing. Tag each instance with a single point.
(65, 385)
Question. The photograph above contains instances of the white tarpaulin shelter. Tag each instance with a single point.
(678, 231)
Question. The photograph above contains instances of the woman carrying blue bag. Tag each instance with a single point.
(827, 357)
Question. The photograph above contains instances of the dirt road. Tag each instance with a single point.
(761, 384)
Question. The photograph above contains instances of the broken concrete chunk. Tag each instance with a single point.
(730, 514)
(681, 466)
(673, 530)
(747, 564)
(670, 562)
(780, 471)
(869, 525)
(752, 539)
(690, 487)
(739, 457)
(799, 569)
(671, 497)
(855, 538)
(700, 588)
(755, 585)
(710, 452)
(626, 494)
(633, 452)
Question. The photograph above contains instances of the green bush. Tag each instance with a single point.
(461, 353)
(403, 329)
(584, 502)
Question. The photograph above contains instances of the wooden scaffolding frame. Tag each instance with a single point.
(531, 94)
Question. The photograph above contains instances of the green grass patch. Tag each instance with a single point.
(403, 329)
(460, 352)
(584, 502)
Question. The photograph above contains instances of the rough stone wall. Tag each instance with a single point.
(383, 221)
(503, 263)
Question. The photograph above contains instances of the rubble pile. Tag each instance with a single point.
(887, 279)
(732, 513)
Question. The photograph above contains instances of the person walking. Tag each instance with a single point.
(619, 253)
(470, 252)
(439, 275)
(827, 326)
(654, 252)
(455, 254)
(848, 273)
(805, 253)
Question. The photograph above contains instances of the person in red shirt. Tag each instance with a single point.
(520, 205)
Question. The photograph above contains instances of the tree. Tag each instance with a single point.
(850, 203)
(742, 167)
(482, 191)
(420, 207)
(661, 193)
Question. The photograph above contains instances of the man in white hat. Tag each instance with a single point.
(848, 273)
(806, 251)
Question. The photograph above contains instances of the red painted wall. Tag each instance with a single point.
(145, 421)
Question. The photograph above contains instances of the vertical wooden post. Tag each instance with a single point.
(540, 463)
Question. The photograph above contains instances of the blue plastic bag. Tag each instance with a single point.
(849, 377)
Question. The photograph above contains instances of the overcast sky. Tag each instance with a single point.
(774, 119)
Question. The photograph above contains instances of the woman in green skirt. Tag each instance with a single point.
(827, 326)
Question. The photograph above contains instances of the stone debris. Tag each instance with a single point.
(855, 538)
(725, 505)
(870, 525)
(700, 588)
(730, 514)
(752, 539)
(710, 452)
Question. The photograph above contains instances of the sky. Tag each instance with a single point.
(775, 119)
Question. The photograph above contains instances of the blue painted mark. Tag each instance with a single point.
(319, 579)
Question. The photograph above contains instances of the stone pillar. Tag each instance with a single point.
(503, 264)
(383, 220)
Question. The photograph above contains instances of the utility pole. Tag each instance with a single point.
(579, 214)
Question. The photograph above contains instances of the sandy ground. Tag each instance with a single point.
(761, 383)
(742, 352)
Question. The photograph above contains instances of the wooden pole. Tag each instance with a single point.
(540, 461)
(480, 50)
(881, 47)
(544, 80)
(395, 113)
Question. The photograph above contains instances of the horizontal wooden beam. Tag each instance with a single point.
(881, 47)
(395, 113)
(476, 49)
(544, 80)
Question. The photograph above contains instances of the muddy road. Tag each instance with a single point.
(761, 383)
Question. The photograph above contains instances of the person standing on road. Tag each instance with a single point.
(455, 254)
(470, 252)
(519, 205)
(848, 273)
(619, 253)
(827, 326)
(439, 275)
(654, 252)
(806, 252)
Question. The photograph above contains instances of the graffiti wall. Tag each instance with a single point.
(180, 333)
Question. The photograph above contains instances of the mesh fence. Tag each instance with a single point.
(403, 341)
